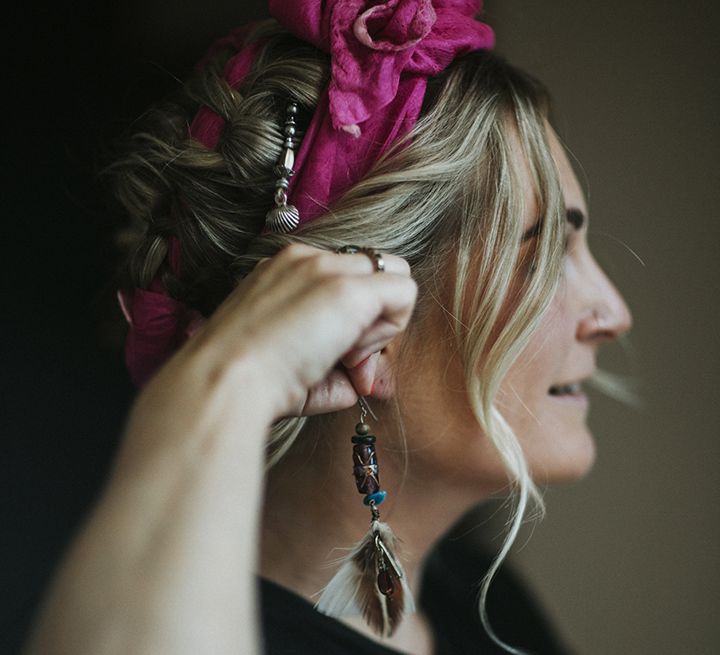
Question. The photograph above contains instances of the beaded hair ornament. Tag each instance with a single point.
(381, 55)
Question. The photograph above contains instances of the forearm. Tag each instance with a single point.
(166, 561)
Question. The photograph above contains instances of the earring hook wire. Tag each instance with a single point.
(365, 409)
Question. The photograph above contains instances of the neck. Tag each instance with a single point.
(313, 512)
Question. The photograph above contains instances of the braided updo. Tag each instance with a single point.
(213, 201)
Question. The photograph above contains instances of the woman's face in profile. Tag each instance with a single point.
(542, 395)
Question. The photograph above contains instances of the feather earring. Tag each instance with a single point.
(371, 581)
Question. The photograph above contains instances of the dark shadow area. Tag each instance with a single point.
(78, 77)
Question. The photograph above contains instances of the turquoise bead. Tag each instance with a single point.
(378, 497)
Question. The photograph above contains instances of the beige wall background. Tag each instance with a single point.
(626, 561)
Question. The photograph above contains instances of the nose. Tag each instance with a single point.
(604, 314)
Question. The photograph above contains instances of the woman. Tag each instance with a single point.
(467, 324)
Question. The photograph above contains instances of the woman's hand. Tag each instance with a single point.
(165, 562)
(298, 315)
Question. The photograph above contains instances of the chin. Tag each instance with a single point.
(570, 459)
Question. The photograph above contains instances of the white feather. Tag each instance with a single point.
(339, 597)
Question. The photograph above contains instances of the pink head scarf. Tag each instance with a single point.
(381, 55)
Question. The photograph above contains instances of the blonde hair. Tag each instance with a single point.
(447, 192)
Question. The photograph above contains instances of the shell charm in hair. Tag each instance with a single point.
(370, 582)
(284, 218)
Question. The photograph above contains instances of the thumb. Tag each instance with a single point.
(362, 376)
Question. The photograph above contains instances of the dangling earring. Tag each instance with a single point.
(370, 582)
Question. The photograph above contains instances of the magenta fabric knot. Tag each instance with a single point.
(157, 324)
(372, 44)
(395, 25)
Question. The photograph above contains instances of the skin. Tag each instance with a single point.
(447, 450)
(586, 312)
(166, 561)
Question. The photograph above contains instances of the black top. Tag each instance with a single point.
(291, 625)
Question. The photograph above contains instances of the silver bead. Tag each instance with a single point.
(288, 159)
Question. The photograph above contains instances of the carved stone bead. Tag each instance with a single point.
(365, 469)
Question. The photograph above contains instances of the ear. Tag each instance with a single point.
(374, 376)
(383, 386)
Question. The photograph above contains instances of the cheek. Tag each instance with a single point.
(553, 432)
(444, 439)
(538, 365)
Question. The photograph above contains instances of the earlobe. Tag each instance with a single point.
(383, 387)
(374, 376)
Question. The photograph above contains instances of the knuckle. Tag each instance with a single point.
(404, 266)
(341, 286)
(413, 287)
(408, 286)
(343, 290)
(317, 266)
(295, 251)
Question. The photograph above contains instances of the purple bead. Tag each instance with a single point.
(365, 469)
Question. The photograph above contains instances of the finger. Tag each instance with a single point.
(389, 298)
(298, 265)
(333, 262)
(375, 339)
(362, 376)
(354, 265)
(397, 295)
(332, 394)
(363, 262)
